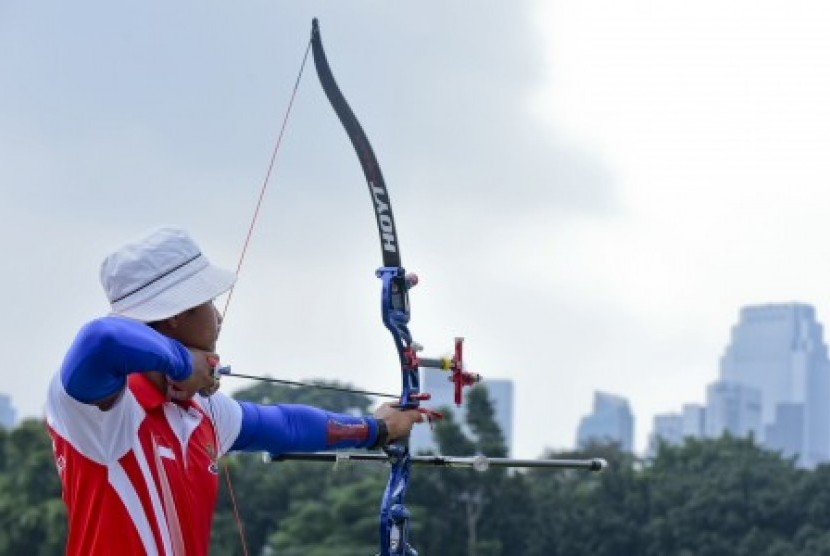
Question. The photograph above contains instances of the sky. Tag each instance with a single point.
(589, 190)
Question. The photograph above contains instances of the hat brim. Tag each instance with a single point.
(203, 286)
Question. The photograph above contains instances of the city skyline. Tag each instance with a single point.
(734, 400)
(773, 383)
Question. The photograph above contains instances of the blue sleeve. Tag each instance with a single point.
(287, 428)
(106, 350)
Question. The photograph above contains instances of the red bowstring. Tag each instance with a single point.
(267, 178)
(247, 241)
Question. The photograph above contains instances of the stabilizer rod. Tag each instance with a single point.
(478, 463)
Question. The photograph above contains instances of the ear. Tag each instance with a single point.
(168, 324)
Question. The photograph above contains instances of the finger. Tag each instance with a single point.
(213, 361)
(212, 389)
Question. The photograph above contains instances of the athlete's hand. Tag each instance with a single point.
(398, 422)
(201, 378)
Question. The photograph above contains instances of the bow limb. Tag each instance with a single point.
(368, 161)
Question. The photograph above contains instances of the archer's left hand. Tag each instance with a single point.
(398, 422)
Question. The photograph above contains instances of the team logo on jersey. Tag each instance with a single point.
(60, 460)
(60, 463)
(213, 467)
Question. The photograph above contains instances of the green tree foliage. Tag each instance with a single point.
(574, 512)
(339, 521)
(32, 514)
(332, 400)
(720, 497)
(276, 499)
(464, 511)
(724, 497)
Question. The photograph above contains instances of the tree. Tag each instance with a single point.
(32, 514)
(269, 494)
(577, 513)
(725, 496)
(467, 512)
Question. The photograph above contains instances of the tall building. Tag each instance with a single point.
(667, 427)
(500, 394)
(786, 433)
(779, 350)
(610, 421)
(675, 428)
(693, 420)
(734, 408)
(8, 415)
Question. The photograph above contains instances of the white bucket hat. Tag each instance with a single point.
(160, 276)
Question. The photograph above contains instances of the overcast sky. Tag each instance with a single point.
(589, 190)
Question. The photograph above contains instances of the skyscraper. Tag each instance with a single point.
(667, 427)
(786, 433)
(734, 408)
(693, 420)
(610, 421)
(7, 412)
(674, 428)
(779, 350)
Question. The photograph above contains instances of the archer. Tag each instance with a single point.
(136, 417)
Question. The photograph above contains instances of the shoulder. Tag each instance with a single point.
(102, 436)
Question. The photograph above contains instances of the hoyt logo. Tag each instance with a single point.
(384, 215)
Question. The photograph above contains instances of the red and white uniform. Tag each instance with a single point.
(140, 478)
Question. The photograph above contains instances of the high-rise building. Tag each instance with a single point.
(8, 415)
(693, 420)
(675, 428)
(786, 433)
(779, 350)
(734, 408)
(610, 421)
(667, 427)
(499, 392)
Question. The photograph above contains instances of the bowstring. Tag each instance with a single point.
(266, 180)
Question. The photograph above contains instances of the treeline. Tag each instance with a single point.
(704, 498)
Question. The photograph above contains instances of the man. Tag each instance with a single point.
(136, 417)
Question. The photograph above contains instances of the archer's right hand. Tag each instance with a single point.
(201, 379)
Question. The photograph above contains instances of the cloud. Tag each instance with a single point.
(115, 120)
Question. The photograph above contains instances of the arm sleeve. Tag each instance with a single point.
(106, 350)
(285, 428)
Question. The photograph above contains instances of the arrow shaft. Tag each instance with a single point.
(309, 384)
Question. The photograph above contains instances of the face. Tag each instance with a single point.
(197, 327)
